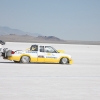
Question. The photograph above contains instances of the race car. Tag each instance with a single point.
(38, 54)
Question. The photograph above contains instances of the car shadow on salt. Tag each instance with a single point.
(31, 63)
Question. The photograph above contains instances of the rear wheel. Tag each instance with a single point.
(25, 59)
(64, 61)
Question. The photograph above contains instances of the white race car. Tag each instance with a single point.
(39, 54)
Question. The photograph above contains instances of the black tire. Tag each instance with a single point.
(16, 61)
(25, 59)
(0, 54)
(64, 61)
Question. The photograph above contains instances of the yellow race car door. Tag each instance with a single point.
(41, 54)
(51, 55)
(33, 52)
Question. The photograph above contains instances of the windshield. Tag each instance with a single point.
(50, 49)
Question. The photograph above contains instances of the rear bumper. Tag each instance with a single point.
(15, 58)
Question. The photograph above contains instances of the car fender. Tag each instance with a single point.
(25, 55)
(66, 56)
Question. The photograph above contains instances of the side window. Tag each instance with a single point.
(49, 49)
(34, 48)
(41, 48)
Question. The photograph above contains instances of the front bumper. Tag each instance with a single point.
(70, 61)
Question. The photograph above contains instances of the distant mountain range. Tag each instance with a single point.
(6, 30)
(28, 38)
(15, 35)
(9, 34)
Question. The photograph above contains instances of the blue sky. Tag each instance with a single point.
(66, 19)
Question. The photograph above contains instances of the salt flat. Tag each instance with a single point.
(79, 81)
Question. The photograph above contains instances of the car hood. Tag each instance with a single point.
(61, 51)
(65, 55)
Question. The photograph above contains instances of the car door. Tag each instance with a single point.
(33, 52)
(41, 54)
(51, 55)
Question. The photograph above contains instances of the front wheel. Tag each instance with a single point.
(16, 61)
(64, 61)
(25, 59)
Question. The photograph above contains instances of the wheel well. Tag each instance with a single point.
(63, 57)
(25, 55)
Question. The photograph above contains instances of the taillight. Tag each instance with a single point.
(12, 52)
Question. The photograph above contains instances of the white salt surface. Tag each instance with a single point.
(79, 81)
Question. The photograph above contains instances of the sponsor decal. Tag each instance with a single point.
(40, 56)
(53, 55)
(50, 57)
(19, 52)
(31, 51)
(48, 54)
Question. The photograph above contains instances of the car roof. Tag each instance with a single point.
(39, 45)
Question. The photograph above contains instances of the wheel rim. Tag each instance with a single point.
(64, 60)
(25, 59)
